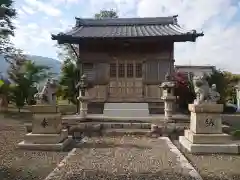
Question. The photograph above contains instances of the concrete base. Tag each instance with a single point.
(45, 147)
(126, 110)
(46, 138)
(230, 148)
(207, 138)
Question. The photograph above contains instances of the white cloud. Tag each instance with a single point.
(58, 2)
(28, 10)
(20, 12)
(35, 37)
(220, 44)
(44, 7)
(33, 26)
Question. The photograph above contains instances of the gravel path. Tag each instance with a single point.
(126, 157)
(215, 167)
(16, 164)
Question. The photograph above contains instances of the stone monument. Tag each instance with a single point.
(205, 133)
(47, 131)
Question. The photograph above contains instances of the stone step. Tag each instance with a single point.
(120, 132)
(126, 109)
(127, 125)
(113, 125)
(75, 119)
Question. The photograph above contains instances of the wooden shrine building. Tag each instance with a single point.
(126, 57)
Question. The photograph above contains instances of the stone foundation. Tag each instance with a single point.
(47, 131)
(205, 133)
(45, 147)
(229, 148)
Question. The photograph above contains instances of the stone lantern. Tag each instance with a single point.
(82, 96)
(168, 96)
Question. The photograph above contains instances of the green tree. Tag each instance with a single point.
(225, 82)
(6, 17)
(69, 74)
(24, 74)
(33, 75)
(4, 89)
(106, 14)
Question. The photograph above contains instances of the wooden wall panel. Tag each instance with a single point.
(90, 72)
(97, 73)
(99, 92)
(102, 73)
(153, 93)
(95, 57)
(155, 71)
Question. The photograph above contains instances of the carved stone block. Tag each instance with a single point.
(47, 123)
(206, 123)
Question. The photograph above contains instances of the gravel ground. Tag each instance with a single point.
(16, 164)
(215, 167)
(126, 157)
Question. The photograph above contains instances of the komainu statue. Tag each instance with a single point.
(204, 94)
(48, 93)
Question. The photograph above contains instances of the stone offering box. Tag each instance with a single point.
(47, 131)
(205, 133)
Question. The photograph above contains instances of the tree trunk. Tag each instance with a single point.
(3, 103)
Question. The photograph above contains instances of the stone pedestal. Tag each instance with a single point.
(168, 107)
(168, 97)
(205, 133)
(47, 132)
(83, 106)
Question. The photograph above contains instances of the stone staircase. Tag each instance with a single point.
(126, 110)
(111, 127)
(116, 127)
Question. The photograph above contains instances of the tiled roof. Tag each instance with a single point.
(127, 28)
(126, 21)
(194, 67)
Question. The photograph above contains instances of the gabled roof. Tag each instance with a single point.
(118, 28)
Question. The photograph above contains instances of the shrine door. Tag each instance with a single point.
(126, 81)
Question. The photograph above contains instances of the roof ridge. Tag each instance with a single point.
(126, 21)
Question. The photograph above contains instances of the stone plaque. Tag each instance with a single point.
(47, 123)
(206, 123)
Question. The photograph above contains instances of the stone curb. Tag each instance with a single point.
(61, 164)
(184, 163)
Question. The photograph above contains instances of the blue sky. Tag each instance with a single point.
(219, 19)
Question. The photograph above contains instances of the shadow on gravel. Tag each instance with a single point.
(18, 116)
(17, 174)
(111, 145)
(91, 174)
